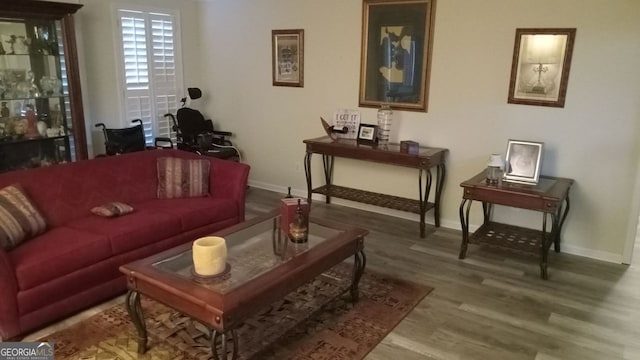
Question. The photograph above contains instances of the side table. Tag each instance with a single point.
(550, 196)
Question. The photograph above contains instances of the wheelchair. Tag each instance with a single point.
(195, 134)
(131, 139)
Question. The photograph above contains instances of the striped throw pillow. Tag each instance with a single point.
(181, 178)
(19, 218)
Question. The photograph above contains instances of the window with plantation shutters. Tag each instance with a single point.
(151, 70)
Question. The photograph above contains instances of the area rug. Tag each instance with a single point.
(318, 321)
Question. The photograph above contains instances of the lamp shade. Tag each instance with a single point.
(495, 160)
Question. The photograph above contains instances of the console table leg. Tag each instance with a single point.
(464, 222)
(307, 172)
(327, 162)
(439, 184)
(135, 313)
(424, 199)
(224, 351)
(562, 217)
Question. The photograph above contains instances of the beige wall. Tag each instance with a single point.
(227, 52)
(592, 139)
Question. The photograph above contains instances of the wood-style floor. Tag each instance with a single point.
(492, 305)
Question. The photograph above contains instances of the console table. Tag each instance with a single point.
(550, 196)
(387, 154)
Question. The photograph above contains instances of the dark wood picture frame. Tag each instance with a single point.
(540, 67)
(287, 57)
(397, 38)
(367, 134)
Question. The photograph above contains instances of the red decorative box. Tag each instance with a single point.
(288, 208)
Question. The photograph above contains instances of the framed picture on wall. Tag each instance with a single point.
(523, 161)
(396, 53)
(540, 67)
(288, 57)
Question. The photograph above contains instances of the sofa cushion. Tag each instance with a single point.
(194, 212)
(57, 252)
(112, 209)
(19, 218)
(126, 233)
(180, 178)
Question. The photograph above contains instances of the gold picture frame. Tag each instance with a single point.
(288, 57)
(397, 38)
(540, 67)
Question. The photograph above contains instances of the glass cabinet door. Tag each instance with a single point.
(36, 128)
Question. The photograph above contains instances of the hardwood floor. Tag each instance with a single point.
(492, 305)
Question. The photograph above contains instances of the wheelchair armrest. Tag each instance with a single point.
(222, 133)
(163, 143)
(100, 125)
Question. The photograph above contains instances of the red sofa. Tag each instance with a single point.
(74, 264)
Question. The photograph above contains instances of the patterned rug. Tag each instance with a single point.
(316, 322)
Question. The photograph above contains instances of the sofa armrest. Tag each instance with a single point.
(9, 323)
(228, 179)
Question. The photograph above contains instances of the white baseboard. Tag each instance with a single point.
(593, 254)
(449, 224)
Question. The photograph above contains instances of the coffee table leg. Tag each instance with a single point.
(224, 351)
(135, 312)
(359, 263)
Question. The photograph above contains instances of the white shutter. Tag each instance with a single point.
(150, 73)
(164, 71)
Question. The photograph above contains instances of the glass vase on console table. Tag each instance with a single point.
(385, 118)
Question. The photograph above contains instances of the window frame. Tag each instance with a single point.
(121, 85)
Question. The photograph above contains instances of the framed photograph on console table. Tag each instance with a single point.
(523, 161)
(367, 134)
(396, 53)
(540, 67)
(288, 57)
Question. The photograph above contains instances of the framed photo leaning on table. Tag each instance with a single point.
(522, 162)
(367, 134)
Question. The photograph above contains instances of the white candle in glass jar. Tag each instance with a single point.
(209, 255)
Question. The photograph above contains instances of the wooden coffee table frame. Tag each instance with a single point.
(223, 313)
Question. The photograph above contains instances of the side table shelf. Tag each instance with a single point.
(509, 237)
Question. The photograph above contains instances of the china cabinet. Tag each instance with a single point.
(41, 116)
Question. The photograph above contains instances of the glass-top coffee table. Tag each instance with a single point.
(262, 266)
